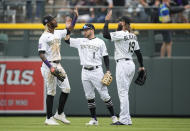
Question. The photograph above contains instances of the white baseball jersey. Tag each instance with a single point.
(90, 51)
(50, 43)
(125, 44)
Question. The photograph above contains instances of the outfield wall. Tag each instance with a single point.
(166, 91)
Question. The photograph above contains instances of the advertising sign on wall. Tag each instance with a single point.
(21, 87)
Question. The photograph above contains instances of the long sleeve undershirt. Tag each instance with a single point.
(106, 33)
(106, 61)
(139, 57)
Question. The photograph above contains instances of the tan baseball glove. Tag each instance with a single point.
(107, 79)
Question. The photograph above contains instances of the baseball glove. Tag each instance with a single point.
(57, 73)
(141, 78)
(107, 79)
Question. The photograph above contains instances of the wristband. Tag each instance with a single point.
(47, 63)
(74, 21)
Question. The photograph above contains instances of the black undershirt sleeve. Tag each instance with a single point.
(106, 61)
(68, 31)
(106, 33)
(41, 52)
(68, 41)
(139, 57)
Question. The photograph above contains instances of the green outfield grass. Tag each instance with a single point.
(78, 124)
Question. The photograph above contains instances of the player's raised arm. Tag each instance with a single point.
(106, 33)
(70, 22)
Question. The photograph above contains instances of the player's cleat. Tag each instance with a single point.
(92, 122)
(114, 119)
(51, 121)
(117, 123)
(62, 118)
(130, 123)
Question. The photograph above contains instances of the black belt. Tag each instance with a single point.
(90, 68)
(56, 61)
(122, 59)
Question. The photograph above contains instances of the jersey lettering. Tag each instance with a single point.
(130, 37)
(54, 41)
(95, 48)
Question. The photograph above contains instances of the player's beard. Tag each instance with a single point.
(119, 28)
(54, 25)
(87, 35)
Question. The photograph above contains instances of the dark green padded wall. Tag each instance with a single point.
(166, 91)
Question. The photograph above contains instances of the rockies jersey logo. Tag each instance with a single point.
(95, 48)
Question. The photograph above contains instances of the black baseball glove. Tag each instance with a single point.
(141, 78)
(57, 73)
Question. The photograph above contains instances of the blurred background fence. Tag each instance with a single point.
(22, 11)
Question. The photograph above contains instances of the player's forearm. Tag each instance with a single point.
(139, 57)
(106, 33)
(74, 20)
(106, 61)
(44, 59)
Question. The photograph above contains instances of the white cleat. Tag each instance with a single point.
(114, 119)
(130, 122)
(62, 118)
(51, 121)
(92, 122)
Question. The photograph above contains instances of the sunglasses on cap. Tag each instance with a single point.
(88, 26)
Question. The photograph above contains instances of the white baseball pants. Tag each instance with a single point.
(125, 71)
(92, 80)
(51, 81)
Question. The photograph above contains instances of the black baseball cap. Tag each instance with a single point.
(47, 19)
(88, 26)
(126, 19)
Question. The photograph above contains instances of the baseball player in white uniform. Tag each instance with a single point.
(125, 45)
(91, 51)
(49, 51)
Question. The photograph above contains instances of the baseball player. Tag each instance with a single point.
(49, 51)
(125, 45)
(91, 51)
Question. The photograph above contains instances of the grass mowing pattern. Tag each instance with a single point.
(78, 124)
